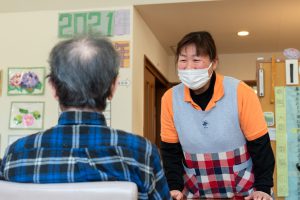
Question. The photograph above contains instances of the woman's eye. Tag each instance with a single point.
(182, 60)
(197, 60)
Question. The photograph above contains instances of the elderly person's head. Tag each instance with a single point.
(83, 72)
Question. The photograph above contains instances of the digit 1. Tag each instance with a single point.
(110, 15)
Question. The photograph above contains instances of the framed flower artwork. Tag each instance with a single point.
(26, 81)
(26, 115)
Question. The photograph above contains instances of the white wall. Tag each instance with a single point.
(36, 5)
(144, 43)
(240, 66)
(243, 66)
(26, 39)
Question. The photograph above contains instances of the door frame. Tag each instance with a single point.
(161, 85)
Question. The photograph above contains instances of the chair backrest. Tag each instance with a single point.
(112, 190)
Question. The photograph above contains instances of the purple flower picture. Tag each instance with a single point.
(26, 81)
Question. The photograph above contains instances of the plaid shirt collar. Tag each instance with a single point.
(81, 117)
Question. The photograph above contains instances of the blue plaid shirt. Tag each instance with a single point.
(82, 148)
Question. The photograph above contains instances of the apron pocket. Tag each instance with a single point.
(244, 178)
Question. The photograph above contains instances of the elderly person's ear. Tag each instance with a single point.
(53, 90)
(113, 88)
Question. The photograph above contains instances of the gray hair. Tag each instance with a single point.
(82, 70)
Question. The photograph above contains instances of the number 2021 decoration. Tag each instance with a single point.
(96, 22)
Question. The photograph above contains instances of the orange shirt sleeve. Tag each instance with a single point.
(168, 132)
(251, 116)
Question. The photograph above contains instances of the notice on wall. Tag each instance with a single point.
(281, 142)
(293, 140)
(123, 49)
(272, 133)
(122, 22)
(287, 106)
(269, 117)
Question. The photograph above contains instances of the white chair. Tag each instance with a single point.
(111, 190)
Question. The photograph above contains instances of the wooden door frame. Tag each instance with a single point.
(151, 67)
(163, 84)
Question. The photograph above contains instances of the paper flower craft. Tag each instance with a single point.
(28, 81)
(26, 118)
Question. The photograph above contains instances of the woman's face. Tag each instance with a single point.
(188, 59)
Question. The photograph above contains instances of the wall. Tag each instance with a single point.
(144, 43)
(241, 66)
(26, 39)
(34, 5)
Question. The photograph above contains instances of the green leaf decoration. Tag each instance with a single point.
(39, 86)
(10, 87)
(30, 90)
(24, 111)
(18, 119)
(36, 114)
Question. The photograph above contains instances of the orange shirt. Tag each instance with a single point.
(251, 117)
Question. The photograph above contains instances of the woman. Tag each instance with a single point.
(215, 141)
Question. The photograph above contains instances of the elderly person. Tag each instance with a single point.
(81, 147)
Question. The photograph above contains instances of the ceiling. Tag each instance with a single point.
(273, 24)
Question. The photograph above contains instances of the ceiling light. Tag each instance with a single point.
(243, 33)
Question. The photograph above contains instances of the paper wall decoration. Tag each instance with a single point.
(269, 117)
(123, 49)
(25, 81)
(26, 115)
(122, 22)
(107, 23)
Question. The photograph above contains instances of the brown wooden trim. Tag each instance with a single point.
(251, 83)
(149, 65)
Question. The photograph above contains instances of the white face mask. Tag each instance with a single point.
(194, 78)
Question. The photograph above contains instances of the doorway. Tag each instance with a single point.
(155, 85)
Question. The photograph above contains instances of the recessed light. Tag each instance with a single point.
(243, 33)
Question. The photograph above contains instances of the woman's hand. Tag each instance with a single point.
(176, 194)
(258, 195)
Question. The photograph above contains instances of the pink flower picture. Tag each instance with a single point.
(15, 80)
(28, 120)
(26, 115)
